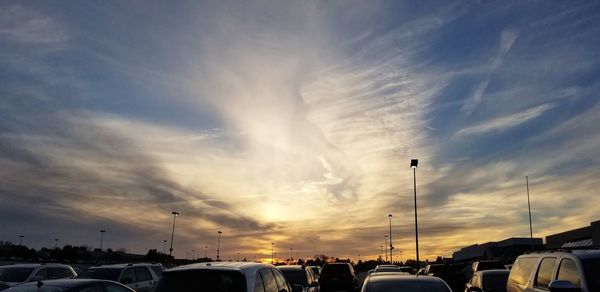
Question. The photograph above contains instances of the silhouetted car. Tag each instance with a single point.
(71, 285)
(223, 276)
(139, 277)
(407, 269)
(576, 270)
(434, 269)
(482, 266)
(297, 276)
(488, 281)
(11, 275)
(337, 276)
(385, 282)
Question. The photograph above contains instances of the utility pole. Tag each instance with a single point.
(529, 208)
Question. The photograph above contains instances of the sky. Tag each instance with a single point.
(294, 123)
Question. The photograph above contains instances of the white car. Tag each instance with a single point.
(223, 276)
(22, 273)
(139, 277)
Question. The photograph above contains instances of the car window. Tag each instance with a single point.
(568, 271)
(157, 270)
(544, 273)
(202, 281)
(258, 283)
(494, 282)
(519, 274)
(12, 274)
(110, 287)
(128, 273)
(100, 273)
(281, 281)
(142, 274)
(269, 280)
(59, 273)
(41, 274)
(296, 277)
(91, 288)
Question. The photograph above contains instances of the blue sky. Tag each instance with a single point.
(294, 122)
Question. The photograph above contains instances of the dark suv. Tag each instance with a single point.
(337, 276)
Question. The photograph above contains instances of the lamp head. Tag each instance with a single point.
(102, 231)
(413, 163)
(175, 213)
(219, 232)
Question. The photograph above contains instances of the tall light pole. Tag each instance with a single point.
(165, 246)
(21, 239)
(55, 243)
(101, 238)
(206, 251)
(391, 245)
(193, 255)
(380, 251)
(386, 245)
(413, 165)
(175, 214)
(529, 207)
(218, 244)
(272, 253)
(291, 254)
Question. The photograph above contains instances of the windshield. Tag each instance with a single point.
(495, 282)
(335, 270)
(99, 273)
(405, 286)
(482, 266)
(295, 277)
(14, 274)
(201, 281)
(591, 269)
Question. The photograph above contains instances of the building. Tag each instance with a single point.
(581, 237)
(505, 251)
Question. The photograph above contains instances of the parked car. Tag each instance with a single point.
(139, 277)
(71, 285)
(11, 275)
(298, 276)
(407, 269)
(337, 276)
(223, 276)
(383, 282)
(316, 270)
(576, 270)
(434, 269)
(482, 266)
(488, 281)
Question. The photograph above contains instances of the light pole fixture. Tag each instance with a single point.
(380, 251)
(165, 246)
(218, 244)
(391, 245)
(386, 246)
(206, 251)
(21, 239)
(272, 253)
(175, 214)
(55, 243)
(193, 255)
(101, 238)
(529, 207)
(413, 165)
(291, 254)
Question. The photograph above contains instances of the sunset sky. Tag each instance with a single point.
(294, 122)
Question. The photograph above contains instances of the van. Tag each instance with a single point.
(577, 270)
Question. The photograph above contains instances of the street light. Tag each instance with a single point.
(165, 246)
(391, 245)
(175, 214)
(193, 255)
(413, 165)
(272, 253)
(206, 251)
(55, 243)
(380, 251)
(218, 244)
(101, 238)
(291, 254)
(386, 246)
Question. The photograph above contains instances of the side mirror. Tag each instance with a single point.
(126, 280)
(563, 286)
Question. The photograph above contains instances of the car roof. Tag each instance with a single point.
(245, 267)
(291, 267)
(580, 253)
(66, 282)
(120, 266)
(33, 265)
(389, 276)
